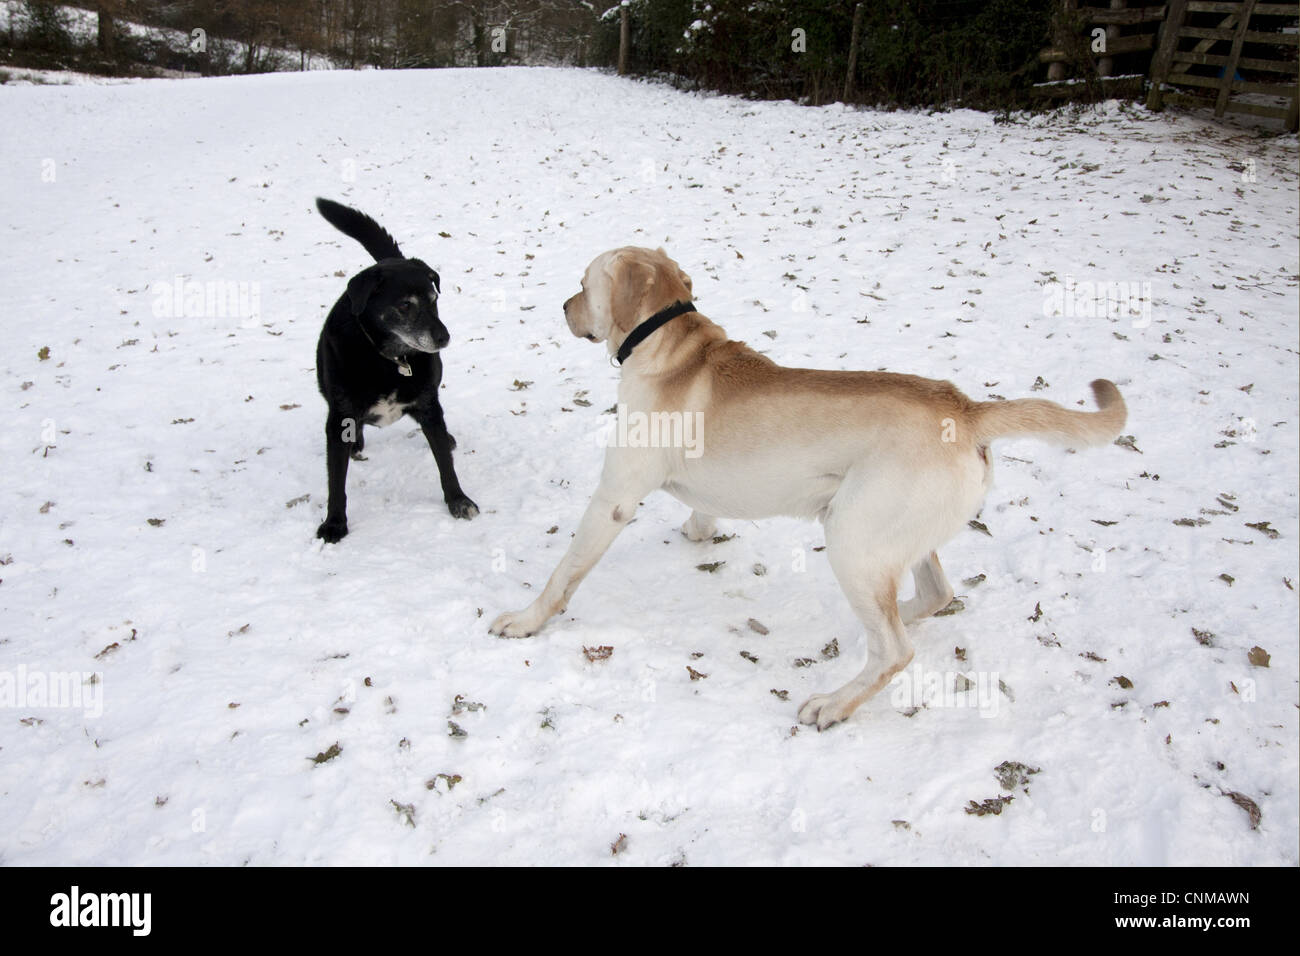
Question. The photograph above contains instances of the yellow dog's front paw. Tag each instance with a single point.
(517, 624)
(824, 710)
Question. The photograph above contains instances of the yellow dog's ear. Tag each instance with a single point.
(631, 279)
(681, 276)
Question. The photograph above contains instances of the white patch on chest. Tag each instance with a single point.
(386, 411)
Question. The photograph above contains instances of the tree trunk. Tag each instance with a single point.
(855, 38)
(106, 37)
(480, 39)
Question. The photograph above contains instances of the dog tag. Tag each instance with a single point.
(403, 366)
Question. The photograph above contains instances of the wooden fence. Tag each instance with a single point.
(1104, 36)
(1235, 56)
(1223, 49)
(1241, 36)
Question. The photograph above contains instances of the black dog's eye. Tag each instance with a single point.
(404, 306)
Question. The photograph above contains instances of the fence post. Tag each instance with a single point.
(1056, 69)
(853, 53)
(1292, 120)
(1106, 65)
(623, 33)
(1234, 55)
(1166, 44)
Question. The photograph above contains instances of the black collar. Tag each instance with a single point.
(643, 331)
(401, 361)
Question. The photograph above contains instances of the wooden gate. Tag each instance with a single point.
(1185, 44)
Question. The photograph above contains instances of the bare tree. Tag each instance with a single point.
(106, 32)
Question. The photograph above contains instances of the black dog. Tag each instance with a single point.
(377, 360)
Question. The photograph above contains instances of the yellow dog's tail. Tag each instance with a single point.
(1049, 421)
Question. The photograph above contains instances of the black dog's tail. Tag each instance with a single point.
(360, 227)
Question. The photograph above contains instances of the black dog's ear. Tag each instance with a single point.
(429, 273)
(361, 287)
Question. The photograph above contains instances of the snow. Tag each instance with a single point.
(231, 647)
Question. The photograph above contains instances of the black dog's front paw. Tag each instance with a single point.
(462, 507)
(332, 530)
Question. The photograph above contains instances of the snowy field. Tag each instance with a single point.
(176, 647)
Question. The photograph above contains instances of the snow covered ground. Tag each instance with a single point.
(164, 474)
